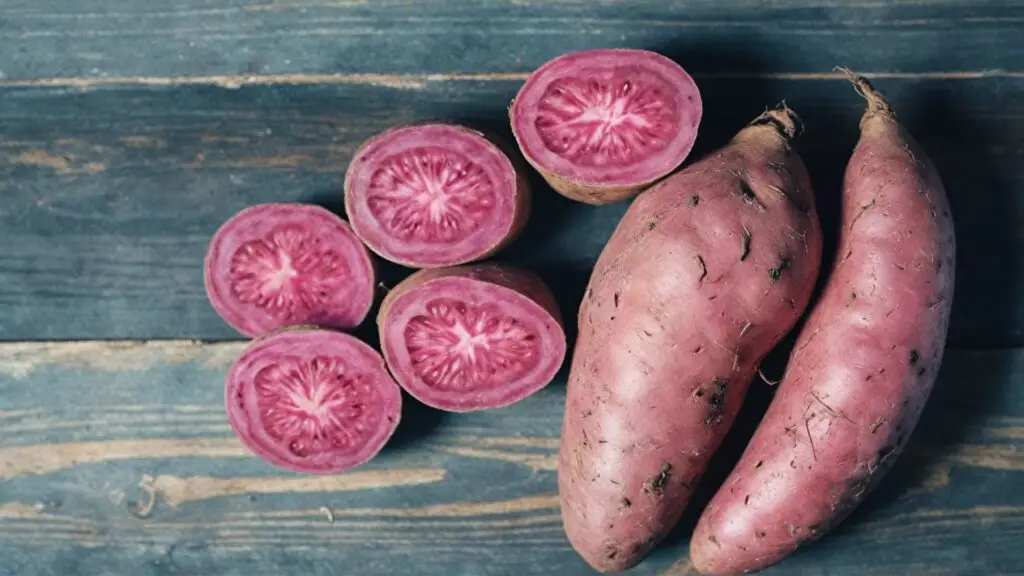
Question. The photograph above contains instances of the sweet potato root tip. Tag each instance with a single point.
(785, 121)
(877, 104)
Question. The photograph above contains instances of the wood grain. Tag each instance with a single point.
(133, 471)
(97, 242)
(217, 38)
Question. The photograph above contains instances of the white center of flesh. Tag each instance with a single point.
(278, 278)
(467, 343)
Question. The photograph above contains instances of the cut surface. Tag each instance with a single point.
(312, 400)
(607, 117)
(432, 195)
(274, 265)
(462, 344)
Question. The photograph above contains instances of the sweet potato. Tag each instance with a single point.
(704, 274)
(472, 337)
(311, 400)
(863, 365)
(601, 125)
(432, 194)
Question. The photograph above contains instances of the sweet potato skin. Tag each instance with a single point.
(704, 274)
(862, 367)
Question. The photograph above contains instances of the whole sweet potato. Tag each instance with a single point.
(704, 274)
(863, 366)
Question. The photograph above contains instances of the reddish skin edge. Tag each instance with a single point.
(515, 167)
(862, 368)
(389, 390)
(236, 318)
(644, 413)
(595, 192)
(523, 282)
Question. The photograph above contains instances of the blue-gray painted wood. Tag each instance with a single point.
(84, 424)
(98, 38)
(111, 195)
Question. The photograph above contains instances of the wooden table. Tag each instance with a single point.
(129, 130)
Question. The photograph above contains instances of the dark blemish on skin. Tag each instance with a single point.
(885, 453)
(851, 299)
(762, 534)
(813, 527)
(611, 553)
(615, 297)
(714, 541)
(914, 357)
(716, 404)
(863, 209)
(746, 500)
(759, 464)
(651, 225)
(626, 502)
(922, 371)
(699, 393)
(588, 413)
(807, 425)
(745, 245)
(694, 200)
(703, 268)
(641, 545)
(878, 424)
(612, 318)
(656, 484)
(792, 464)
(698, 349)
(648, 333)
(590, 293)
(749, 197)
(776, 272)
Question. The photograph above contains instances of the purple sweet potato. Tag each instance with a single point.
(430, 195)
(863, 365)
(601, 125)
(474, 337)
(704, 275)
(312, 400)
(274, 265)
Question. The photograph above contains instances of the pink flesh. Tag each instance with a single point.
(652, 98)
(274, 265)
(312, 401)
(463, 197)
(459, 344)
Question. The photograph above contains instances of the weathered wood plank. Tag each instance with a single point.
(125, 465)
(97, 38)
(110, 195)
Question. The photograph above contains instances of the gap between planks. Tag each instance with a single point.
(420, 81)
